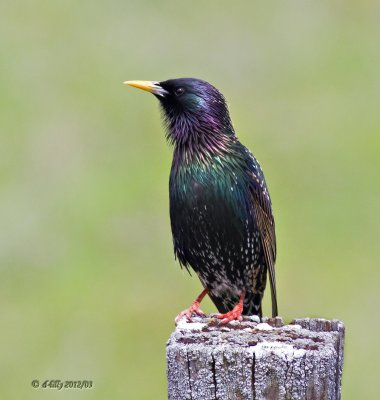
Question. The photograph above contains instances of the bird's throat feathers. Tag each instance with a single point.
(198, 137)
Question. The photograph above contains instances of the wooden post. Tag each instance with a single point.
(252, 360)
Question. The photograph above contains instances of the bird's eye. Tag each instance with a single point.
(179, 91)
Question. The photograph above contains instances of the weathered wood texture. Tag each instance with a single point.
(251, 360)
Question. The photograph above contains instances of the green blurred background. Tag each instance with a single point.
(89, 287)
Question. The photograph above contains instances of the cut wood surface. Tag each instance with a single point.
(255, 360)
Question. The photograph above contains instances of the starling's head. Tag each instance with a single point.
(193, 109)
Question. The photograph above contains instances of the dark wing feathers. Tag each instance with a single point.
(262, 209)
(265, 223)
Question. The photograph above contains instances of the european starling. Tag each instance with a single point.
(220, 209)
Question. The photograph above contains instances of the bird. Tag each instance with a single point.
(220, 210)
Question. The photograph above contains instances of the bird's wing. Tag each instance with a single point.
(262, 209)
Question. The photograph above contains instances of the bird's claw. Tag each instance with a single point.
(234, 315)
(188, 313)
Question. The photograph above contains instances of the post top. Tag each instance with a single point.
(302, 334)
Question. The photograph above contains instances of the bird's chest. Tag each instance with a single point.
(206, 207)
(195, 194)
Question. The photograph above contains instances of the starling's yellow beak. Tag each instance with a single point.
(149, 86)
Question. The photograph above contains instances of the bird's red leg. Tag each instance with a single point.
(194, 308)
(235, 313)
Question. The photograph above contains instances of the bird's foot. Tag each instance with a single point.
(193, 309)
(188, 313)
(234, 314)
